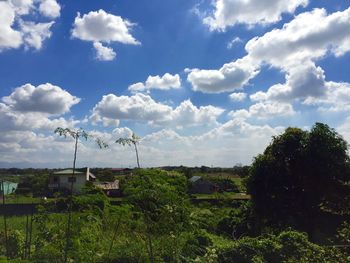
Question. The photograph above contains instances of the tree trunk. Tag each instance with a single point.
(114, 235)
(5, 221)
(137, 156)
(150, 246)
(70, 203)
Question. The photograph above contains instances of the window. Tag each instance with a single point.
(72, 179)
(55, 179)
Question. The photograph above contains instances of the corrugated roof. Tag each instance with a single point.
(195, 178)
(108, 185)
(68, 171)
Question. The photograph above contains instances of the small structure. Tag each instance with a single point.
(111, 189)
(121, 171)
(201, 186)
(62, 180)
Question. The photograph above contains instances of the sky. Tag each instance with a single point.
(201, 82)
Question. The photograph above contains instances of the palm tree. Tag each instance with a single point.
(76, 135)
(133, 140)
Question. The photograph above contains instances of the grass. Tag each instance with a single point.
(22, 199)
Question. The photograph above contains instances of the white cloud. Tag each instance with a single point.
(237, 139)
(45, 98)
(307, 37)
(99, 26)
(165, 82)
(344, 129)
(104, 53)
(302, 81)
(35, 34)
(234, 41)
(142, 108)
(9, 38)
(264, 110)
(230, 12)
(22, 7)
(233, 142)
(50, 8)
(27, 139)
(335, 99)
(238, 96)
(229, 77)
(294, 49)
(16, 31)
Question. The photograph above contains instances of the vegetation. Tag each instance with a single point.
(296, 209)
(133, 140)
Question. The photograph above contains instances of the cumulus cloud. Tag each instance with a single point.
(28, 117)
(45, 98)
(302, 81)
(102, 27)
(104, 53)
(50, 8)
(308, 36)
(99, 26)
(16, 31)
(236, 138)
(238, 96)
(165, 82)
(35, 34)
(9, 38)
(264, 110)
(336, 98)
(142, 108)
(231, 12)
(22, 7)
(294, 49)
(229, 77)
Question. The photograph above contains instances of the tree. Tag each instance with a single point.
(296, 177)
(159, 197)
(76, 135)
(133, 140)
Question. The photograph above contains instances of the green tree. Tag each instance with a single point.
(76, 135)
(133, 140)
(297, 175)
(159, 198)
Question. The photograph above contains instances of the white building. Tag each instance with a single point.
(63, 179)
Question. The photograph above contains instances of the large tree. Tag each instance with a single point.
(300, 175)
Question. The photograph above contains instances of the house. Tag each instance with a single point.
(198, 185)
(111, 189)
(63, 179)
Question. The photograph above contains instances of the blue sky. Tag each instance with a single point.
(202, 82)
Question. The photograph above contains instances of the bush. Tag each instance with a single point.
(15, 243)
(287, 247)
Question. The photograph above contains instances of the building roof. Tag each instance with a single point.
(108, 185)
(67, 171)
(195, 178)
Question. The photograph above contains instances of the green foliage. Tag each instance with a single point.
(196, 245)
(224, 184)
(238, 223)
(158, 195)
(159, 198)
(15, 243)
(298, 173)
(287, 247)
